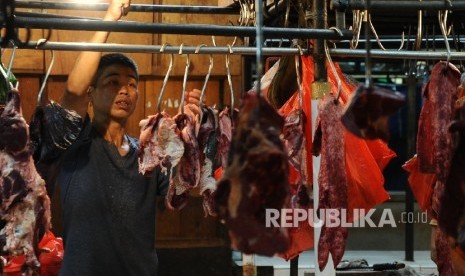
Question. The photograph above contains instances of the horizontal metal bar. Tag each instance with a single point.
(381, 54)
(133, 48)
(51, 15)
(396, 5)
(187, 29)
(133, 8)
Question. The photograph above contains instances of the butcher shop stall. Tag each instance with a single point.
(325, 144)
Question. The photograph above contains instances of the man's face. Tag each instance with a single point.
(115, 94)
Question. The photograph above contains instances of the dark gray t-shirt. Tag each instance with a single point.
(108, 209)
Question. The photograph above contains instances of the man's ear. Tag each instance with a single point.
(90, 90)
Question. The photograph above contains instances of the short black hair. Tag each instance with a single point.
(112, 59)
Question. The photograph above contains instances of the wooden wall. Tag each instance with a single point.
(187, 228)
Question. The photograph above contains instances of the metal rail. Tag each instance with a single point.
(395, 5)
(133, 8)
(186, 29)
(381, 54)
(133, 48)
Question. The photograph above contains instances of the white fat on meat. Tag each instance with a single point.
(160, 145)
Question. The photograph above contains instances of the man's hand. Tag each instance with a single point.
(117, 9)
(192, 103)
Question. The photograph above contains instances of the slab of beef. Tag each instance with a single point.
(425, 150)
(452, 211)
(441, 256)
(226, 130)
(368, 110)
(53, 129)
(208, 137)
(188, 170)
(25, 205)
(255, 179)
(332, 181)
(160, 143)
(293, 138)
(443, 85)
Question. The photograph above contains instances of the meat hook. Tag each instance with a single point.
(336, 75)
(442, 23)
(49, 70)
(419, 30)
(207, 77)
(368, 79)
(299, 84)
(297, 71)
(165, 80)
(228, 71)
(10, 65)
(184, 82)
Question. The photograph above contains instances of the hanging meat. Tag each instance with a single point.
(159, 143)
(188, 170)
(332, 180)
(425, 142)
(226, 130)
(25, 205)
(52, 130)
(255, 179)
(452, 211)
(208, 137)
(293, 138)
(368, 110)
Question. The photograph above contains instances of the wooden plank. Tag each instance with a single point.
(172, 96)
(199, 62)
(64, 60)
(28, 89)
(26, 61)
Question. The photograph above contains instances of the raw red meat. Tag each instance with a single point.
(188, 170)
(255, 179)
(443, 86)
(226, 130)
(425, 149)
(332, 180)
(208, 138)
(159, 143)
(368, 110)
(25, 205)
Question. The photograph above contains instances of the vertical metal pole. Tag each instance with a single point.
(294, 266)
(411, 135)
(250, 269)
(320, 22)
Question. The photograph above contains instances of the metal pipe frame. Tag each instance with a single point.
(320, 22)
(394, 5)
(133, 48)
(133, 7)
(186, 29)
(381, 54)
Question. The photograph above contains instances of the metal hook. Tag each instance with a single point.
(184, 82)
(419, 30)
(368, 78)
(165, 80)
(207, 77)
(49, 70)
(336, 75)
(10, 64)
(297, 70)
(228, 71)
(442, 24)
(213, 40)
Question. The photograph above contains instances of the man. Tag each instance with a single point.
(108, 207)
